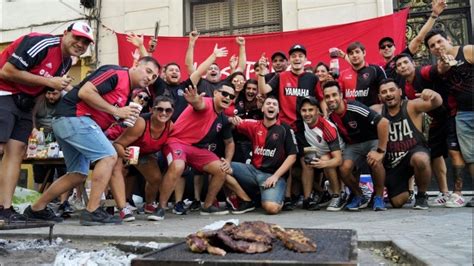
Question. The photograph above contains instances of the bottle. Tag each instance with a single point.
(41, 148)
(40, 136)
(334, 63)
(32, 147)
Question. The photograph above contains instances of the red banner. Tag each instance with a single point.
(317, 42)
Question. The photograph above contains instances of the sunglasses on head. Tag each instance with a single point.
(386, 45)
(163, 110)
(143, 97)
(226, 94)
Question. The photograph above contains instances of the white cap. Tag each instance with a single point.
(81, 29)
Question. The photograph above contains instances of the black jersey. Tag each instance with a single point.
(357, 124)
(460, 80)
(175, 92)
(402, 137)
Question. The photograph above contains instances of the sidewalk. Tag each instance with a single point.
(438, 236)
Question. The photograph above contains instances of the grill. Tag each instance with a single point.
(334, 246)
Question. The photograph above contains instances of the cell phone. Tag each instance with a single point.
(308, 158)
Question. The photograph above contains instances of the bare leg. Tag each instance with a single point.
(63, 184)
(100, 180)
(349, 180)
(421, 164)
(175, 170)
(307, 178)
(179, 189)
(152, 174)
(13, 152)
(232, 184)
(216, 182)
(378, 177)
(458, 166)
(117, 184)
(439, 168)
(198, 186)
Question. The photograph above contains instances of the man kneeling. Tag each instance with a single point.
(407, 151)
(273, 153)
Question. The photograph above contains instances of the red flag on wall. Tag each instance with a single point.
(316, 40)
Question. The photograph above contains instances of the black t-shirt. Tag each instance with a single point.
(208, 87)
(175, 92)
(390, 67)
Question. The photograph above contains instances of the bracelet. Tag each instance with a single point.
(261, 75)
(433, 16)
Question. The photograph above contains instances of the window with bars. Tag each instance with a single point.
(232, 17)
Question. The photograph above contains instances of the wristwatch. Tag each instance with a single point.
(379, 150)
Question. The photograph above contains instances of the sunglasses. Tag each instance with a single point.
(143, 97)
(226, 94)
(386, 45)
(163, 110)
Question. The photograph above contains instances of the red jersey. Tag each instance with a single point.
(112, 83)
(362, 85)
(199, 128)
(39, 54)
(146, 142)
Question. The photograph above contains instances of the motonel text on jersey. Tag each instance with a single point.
(265, 152)
(295, 91)
(351, 93)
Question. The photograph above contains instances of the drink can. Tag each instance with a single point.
(130, 121)
(134, 152)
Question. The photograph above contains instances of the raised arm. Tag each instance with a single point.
(242, 54)
(437, 7)
(194, 98)
(137, 41)
(427, 100)
(202, 68)
(189, 60)
(263, 87)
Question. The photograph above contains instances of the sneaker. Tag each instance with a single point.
(47, 214)
(195, 205)
(179, 208)
(357, 203)
(244, 206)
(10, 215)
(310, 204)
(150, 207)
(98, 217)
(440, 200)
(157, 215)
(411, 197)
(421, 201)
(337, 203)
(126, 215)
(65, 209)
(455, 201)
(325, 199)
(470, 203)
(232, 202)
(213, 210)
(379, 204)
(131, 205)
(288, 205)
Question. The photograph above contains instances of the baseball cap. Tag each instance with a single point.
(386, 39)
(81, 29)
(279, 53)
(311, 100)
(297, 47)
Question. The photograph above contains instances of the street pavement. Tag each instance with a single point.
(438, 236)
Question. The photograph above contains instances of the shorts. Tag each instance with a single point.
(465, 133)
(251, 179)
(16, 124)
(358, 152)
(437, 141)
(195, 157)
(82, 142)
(40, 171)
(396, 179)
(452, 138)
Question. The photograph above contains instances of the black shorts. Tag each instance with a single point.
(452, 138)
(396, 179)
(437, 141)
(16, 124)
(40, 171)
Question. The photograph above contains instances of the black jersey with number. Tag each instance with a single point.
(402, 135)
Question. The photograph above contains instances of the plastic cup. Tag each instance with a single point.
(130, 121)
(134, 153)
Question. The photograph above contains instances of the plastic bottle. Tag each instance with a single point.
(40, 136)
(32, 147)
(334, 63)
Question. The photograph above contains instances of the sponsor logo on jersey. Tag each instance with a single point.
(357, 93)
(319, 138)
(260, 133)
(212, 147)
(275, 136)
(19, 58)
(353, 124)
(365, 75)
(45, 73)
(180, 92)
(218, 127)
(295, 91)
(265, 152)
